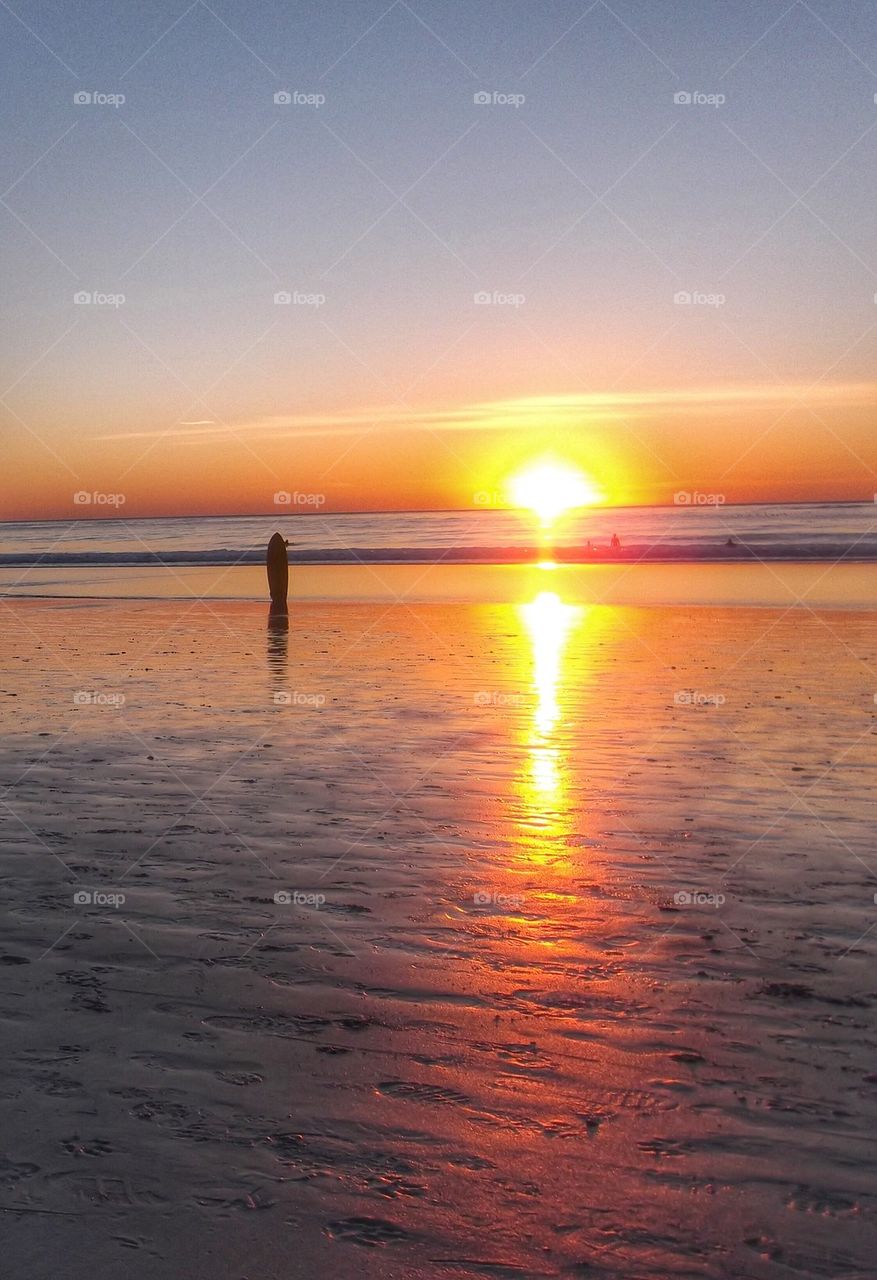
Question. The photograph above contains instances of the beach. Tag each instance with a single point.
(438, 641)
(518, 938)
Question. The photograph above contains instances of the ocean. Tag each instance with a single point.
(802, 532)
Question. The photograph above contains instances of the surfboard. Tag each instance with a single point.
(278, 570)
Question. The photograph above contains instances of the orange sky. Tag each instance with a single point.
(398, 298)
(744, 442)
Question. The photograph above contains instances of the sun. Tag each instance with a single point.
(550, 488)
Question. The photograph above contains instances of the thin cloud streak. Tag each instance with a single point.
(516, 414)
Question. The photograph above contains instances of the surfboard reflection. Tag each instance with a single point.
(278, 643)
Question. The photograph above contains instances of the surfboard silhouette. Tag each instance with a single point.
(278, 571)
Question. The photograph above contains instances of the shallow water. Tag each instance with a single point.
(576, 972)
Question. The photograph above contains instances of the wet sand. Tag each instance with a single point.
(840, 585)
(457, 940)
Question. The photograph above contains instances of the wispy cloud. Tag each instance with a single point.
(525, 413)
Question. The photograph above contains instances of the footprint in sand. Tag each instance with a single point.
(423, 1092)
(371, 1232)
(77, 1146)
(12, 1172)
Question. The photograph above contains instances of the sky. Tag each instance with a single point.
(636, 238)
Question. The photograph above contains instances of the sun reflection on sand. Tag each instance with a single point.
(549, 623)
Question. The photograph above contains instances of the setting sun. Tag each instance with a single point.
(550, 488)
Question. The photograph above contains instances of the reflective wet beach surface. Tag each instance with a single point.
(439, 940)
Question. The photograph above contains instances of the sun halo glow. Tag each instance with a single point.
(551, 488)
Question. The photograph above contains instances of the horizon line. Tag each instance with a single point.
(400, 511)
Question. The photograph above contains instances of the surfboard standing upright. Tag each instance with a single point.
(278, 572)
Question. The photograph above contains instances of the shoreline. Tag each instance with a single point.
(812, 585)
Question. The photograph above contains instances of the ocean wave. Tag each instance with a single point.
(664, 552)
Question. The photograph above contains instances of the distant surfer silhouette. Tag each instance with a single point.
(615, 544)
(277, 561)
